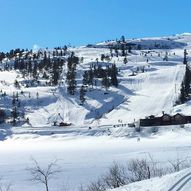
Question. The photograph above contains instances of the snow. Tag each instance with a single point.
(83, 157)
(168, 182)
(84, 153)
(136, 96)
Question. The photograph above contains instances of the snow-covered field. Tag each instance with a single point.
(84, 154)
(83, 158)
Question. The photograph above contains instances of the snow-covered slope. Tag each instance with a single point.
(180, 181)
(85, 153)
(145, 93)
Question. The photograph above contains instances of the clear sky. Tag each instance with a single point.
(50, 23)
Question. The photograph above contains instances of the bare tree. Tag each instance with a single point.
(155, 167)
(136, 170)
(4, 187)
(139, 170)
(66, 187)
(43, 175)
(178, 164)
(117, 176)
(99, 185)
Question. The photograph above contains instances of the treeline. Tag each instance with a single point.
(28, 54)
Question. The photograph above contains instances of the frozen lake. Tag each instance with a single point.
(82, 159)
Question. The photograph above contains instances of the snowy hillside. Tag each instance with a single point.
(88, 129)
(148, 85)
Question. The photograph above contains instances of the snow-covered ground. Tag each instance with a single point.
(84, 154)
(84, 157)
(172, 182)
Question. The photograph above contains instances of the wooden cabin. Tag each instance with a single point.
(150, 121)
(165, 119)
(180, 119)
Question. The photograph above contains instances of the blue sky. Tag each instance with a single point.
(50, 23)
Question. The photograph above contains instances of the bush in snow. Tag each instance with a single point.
(120, 175)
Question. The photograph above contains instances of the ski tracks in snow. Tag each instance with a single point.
(181, 183)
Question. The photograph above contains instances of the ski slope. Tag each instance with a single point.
(84, 154)
(146, 93)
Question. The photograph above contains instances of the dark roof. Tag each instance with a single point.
(179, 114)
(166, 115)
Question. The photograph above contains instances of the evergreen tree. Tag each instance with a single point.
(82, 94)
(35, 71)
(185, 86)
(106, 82)
(16, 84)
(185, 57)
(45, 75)
(29, 70)
(71, 74)
(125, 60)
(100, 72)
(85, 78)
(123, 38)
(90, 77)
(71, 82)
(114, 80)
(55, 74)
(116, 52)
(102, 57)
(187, 81)
(182, 94)
(123, 48)
(14, 114)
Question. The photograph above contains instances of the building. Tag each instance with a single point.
(165, 119)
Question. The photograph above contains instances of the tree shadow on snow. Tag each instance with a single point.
(107, 103)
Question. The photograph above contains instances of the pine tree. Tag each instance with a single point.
(45, 76)
(102, 57)
(16, 84)
(123, 38)
(116, 52)
(185, 57)
(123, 48)
(82, 94)
(187, 81)
(125, 60)
(55, 74)
(14, 114)
(71, 82)
(35, 71)
(182, 94)
(185, 86)
(106, 82)
(71, 74)
(90, 77)
(85, 78)
(114, 72)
